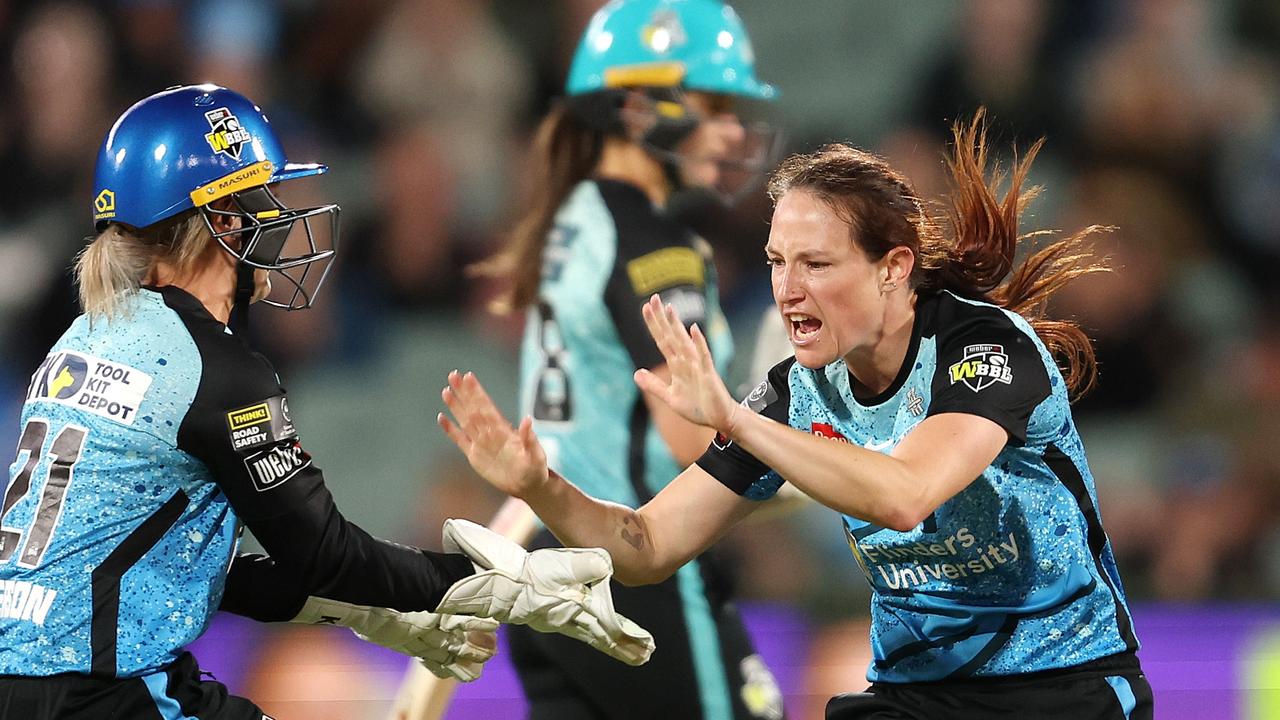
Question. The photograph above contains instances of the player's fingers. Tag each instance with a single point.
(457, 408)
(705, 361)
(655, 320)
(480, 397)
(679, 334)
(528, 439)
(653, 385)
(454, 433)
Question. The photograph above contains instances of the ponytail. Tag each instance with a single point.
(565, 151)
(983, 242)
(112, 267)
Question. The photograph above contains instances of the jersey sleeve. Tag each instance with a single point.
(240, 427)
(734, 467)
(655, 256)
(989, 367)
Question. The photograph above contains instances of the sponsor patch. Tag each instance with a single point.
(827, 431)
(272, 467)
(96, 386)
(104, 206)
(253, 175)
(666, 268)
(981, 367)
(690, 305)
(261, 423)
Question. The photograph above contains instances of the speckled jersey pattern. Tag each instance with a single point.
(1012, 575)
(137, 539)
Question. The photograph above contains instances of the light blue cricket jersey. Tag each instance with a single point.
(115, 542)
(1014, 574)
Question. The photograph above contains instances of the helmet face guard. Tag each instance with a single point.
(194, 146)
(665, 119)
(269, 239)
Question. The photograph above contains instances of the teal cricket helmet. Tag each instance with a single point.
(693, 44)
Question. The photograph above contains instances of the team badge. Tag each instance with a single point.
(981, 367)
(664, 32)
(915, 403)
(760, 691)
(226, 136)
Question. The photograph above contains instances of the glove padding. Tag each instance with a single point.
(560, 590)
(450, 646)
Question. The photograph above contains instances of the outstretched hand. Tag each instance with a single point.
(695, 390)
(510, 459)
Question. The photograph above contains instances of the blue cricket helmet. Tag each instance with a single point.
(694, 44)
(185, 148)
(182, 148)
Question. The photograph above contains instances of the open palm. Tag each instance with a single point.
(694, 389)
(508, 458)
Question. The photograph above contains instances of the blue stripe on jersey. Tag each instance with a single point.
(704, 644)
(1124, 693)
(158, 685)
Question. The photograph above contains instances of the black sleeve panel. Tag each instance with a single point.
(724, 459)
(258, 588)
(987, 366)
(239, 426)
(655, 254)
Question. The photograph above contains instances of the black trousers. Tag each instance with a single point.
(174, 692)
(564, 679)
(1112, 688)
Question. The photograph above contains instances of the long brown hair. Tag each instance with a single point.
(969, 247)
(565, 152)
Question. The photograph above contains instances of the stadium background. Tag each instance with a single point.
(1162, 117)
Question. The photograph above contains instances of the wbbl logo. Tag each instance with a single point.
(982, 367)
(227, 137)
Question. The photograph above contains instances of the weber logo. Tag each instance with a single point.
(274, 466)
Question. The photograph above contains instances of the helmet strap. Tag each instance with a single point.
(239, 320)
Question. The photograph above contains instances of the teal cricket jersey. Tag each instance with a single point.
(609, 250)
(1012, 575)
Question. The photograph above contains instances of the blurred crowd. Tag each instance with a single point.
(1162, 120)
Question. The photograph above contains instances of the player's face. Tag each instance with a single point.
(825, 287)
(717, 139)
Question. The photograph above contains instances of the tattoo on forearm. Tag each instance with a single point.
(634, 538)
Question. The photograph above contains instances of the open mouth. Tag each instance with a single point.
(804, 328)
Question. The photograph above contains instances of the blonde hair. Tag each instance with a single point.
(111, 268)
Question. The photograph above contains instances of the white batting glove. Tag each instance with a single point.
(560, 590)
(450, 646)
